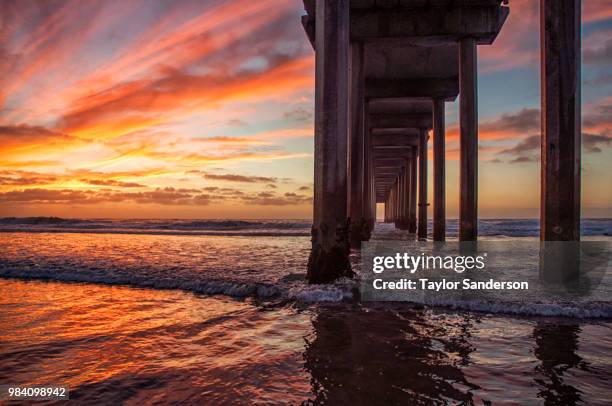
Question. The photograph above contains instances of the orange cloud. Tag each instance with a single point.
(180, 93)
(23, 136)
(596, 10)
(518, 124)
(168, 196)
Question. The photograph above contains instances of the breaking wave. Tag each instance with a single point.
(156, 227)
(298, 228)
(211, 257)
(295, 289)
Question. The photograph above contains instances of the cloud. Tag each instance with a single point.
(528, 149)
(529, 144)
(525, 120)
(596, 10)
(49, 196)
(524, 123)
(524, 159)
(110, 182)
(603, 80)
(598, 119)
(23, 135)
(27, 164)
(228, 140)
(597, 48)
(300, 114)
(24, 178)
(200, 159)
(138, 105)
(517, 44)
(167, 196)
(161, 196)
(595, 142)
(237, 123)
(271, 199)
(516, 124)
(240, 178)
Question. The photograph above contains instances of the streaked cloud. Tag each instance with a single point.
(240, 178)
(116, 103)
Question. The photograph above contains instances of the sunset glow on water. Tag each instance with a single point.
(139, 346)
(173, 231)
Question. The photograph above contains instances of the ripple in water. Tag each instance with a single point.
(115, 345)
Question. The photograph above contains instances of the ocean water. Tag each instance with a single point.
(264, 259)
(123, 345)
(296, 228)
(217, 312)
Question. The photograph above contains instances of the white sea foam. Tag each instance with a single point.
(262, 268)
(342, 290)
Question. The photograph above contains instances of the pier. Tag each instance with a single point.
(384, 70)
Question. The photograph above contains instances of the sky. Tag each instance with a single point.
(204, 109)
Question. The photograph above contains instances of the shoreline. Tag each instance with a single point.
(509, 309)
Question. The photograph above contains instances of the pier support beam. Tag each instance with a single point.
(404, 223)
(561, 127)
(468, 158)
(386, 214)
(439, 212)
(329, 258)
(393, 203)
(412, 226)
(368, 188)
(422, 231)
(357, 203)
(400, 199)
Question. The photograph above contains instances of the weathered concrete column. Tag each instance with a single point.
(399, 200)
(357, 202)
(392, 203)
(405, 198)
(413, 191)
(561, 127)
(386, 218)
(439, 212)
(368, 187)
(329, 258)
(422, 231)
(468, 155)
(372, 206)
(395, 201)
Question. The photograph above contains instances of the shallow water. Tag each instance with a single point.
(486, 227)
(261, 267)
(154, 318)
(115, 344)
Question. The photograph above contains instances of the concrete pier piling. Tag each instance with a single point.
(383, 74)
(412, 205)
(422, 230)
(561, 127)
(329, 258)
(439, 171)
(468, 141)
(357, 204)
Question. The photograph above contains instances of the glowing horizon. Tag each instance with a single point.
(196, 109)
